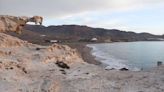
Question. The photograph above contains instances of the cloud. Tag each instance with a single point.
(58, 8)
(95, 13)
(145, 20)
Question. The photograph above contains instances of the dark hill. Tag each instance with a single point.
(74, 33)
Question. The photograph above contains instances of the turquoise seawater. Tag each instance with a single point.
(134, 55)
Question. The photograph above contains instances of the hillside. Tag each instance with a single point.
(76, 33)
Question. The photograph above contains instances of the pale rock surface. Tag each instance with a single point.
(11, 23)
(16, 23)
(23, 68)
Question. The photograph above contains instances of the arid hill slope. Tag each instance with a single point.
(77, 33)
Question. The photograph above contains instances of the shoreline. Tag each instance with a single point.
(85, 53)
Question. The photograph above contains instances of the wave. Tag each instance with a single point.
(110, 61)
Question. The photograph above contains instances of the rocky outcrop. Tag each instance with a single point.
(11, 23)
(16, 24)
(65, 54)
(9, 41)
(36, 19)
(46, 53)
(22, 64)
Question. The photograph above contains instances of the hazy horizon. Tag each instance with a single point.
(128, 15)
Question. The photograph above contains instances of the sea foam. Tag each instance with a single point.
(110, 61)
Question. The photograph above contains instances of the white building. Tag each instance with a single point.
(42, 35)
(53, 41)
(94, 39)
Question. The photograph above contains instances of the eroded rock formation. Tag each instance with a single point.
(22, 64)
(16, 24)
(11, 23)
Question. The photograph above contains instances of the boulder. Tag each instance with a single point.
(62, 65)
(124, 69)
(159, 63)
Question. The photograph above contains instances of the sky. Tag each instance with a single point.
(127, 15)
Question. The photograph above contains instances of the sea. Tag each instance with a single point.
(132, 55)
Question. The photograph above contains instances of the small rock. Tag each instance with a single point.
(11, 68)
(62, 65)
(159, 63)
(24, 70)
(37, 48)
(63, 71)
(109, 68)
(86, 73)
(124, 69)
